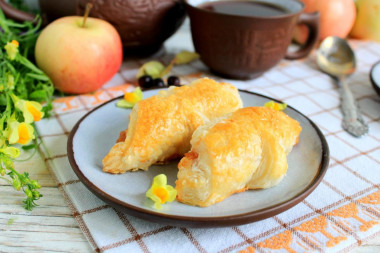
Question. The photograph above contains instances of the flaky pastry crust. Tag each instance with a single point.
(243, 150)
(161, 126)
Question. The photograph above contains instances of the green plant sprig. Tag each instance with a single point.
(20, 182)
(25, 96)
(25, 33)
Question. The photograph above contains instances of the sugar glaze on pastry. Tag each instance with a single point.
(243, 150)
(161, 126)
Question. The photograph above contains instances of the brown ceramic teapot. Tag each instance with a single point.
(143, 25)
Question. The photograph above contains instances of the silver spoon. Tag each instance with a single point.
(336, 58)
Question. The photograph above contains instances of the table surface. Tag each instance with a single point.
(51, 226)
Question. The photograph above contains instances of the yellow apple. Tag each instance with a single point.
(77, 58)
(367, 24)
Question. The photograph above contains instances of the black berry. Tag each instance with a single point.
(146, 81)
(173, 80)
(158, 82)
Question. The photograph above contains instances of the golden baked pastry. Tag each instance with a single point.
(243, 150)
(161, 126)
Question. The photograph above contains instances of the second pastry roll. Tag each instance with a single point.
(244, 150)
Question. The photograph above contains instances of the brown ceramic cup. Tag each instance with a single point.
(244, 47)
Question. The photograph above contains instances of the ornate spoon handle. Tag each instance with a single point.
(353, 121)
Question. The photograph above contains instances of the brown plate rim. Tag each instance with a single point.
(192, 221)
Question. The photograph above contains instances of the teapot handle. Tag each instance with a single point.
(14, 13)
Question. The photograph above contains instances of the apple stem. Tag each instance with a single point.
(86, 13)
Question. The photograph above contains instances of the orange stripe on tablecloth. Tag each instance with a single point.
(348, 227)
(121, 88)
(279, 241)
(85, 98)
(70, 112)
(320, 224)
(348, 197)
(67, 101)
(334, 222)
(319, 211)
(249, 249)
(351, 210)
(96, 97)
(237, 245)
(299, 235)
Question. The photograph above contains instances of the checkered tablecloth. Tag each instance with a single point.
(343, 211)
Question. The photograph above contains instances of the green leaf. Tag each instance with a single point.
(185, 57)
(29, 147)
(3, 99)
(24, 61)
(130, 98)
(41, 77)
(151, 68)
(38, 95)
(10, 221)
(47, 110)
(167, 70)
(11, 152)
(124, 104)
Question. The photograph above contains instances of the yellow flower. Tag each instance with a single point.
(11, 82)
(130, 98)
(12, 49)
(275, 106)
(160, 192)
(21, 133)
(31, 110)
(10, 151)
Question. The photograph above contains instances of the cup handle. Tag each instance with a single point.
(14, 13)
(311, 20)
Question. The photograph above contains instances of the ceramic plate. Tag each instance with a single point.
(375, 77)
(95, 134)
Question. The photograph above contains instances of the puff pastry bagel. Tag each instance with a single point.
(244, 150)
(161, 126)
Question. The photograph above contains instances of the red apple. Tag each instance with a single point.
(79, 59)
